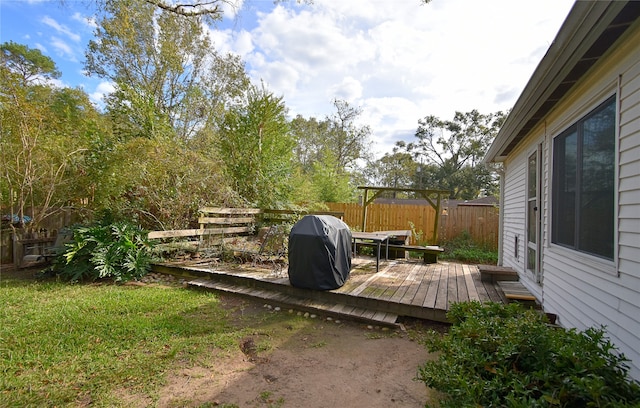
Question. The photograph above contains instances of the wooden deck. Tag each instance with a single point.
(399, 288)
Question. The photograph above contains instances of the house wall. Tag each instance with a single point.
(583, 290)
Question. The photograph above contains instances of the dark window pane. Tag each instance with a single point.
(532, 181)
(597, 182)
(584, 183)
(565, 200)
(531, 225)
(531, 259)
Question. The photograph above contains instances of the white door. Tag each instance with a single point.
(534, 218)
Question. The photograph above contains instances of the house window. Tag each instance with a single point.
(584, 183)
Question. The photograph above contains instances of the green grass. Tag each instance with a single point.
(61, 344)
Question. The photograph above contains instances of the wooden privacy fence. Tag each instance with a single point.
(481, 222)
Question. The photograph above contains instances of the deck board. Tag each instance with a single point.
(400, 287)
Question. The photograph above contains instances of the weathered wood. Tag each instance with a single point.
(197, 232)
(516, 291)
(400, 289)
(223, 210)
(226, 221)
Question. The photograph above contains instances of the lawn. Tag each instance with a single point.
(101, 344)
(61, 342)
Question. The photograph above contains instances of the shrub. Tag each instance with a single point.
(506, 356)
(462, 248)
(119, 251)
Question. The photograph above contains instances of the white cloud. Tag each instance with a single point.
(104, 88)
(88, 22)
(62, 48)
(60, 28)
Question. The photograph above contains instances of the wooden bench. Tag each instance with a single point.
(430, 252)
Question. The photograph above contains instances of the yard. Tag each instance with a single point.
(157, 344)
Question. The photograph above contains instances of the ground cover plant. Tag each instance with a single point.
(116, 250)
(463, 249)
(505, 356)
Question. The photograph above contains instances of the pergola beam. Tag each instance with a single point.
(425, 193)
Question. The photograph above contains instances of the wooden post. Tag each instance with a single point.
(365, 203)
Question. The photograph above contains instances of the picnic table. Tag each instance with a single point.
(377, 238)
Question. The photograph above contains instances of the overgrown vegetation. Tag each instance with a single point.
(462, 248)
(119, 250)
(505, 356)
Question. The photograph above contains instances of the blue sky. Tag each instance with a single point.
(397, 59)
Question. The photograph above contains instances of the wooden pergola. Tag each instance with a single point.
(433, 197)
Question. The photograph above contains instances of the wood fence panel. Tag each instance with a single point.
(481, 222)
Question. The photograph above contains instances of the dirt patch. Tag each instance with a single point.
(312, 362)
(323, 364)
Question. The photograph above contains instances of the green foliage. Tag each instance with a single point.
(462, 248)
(450, 153)
(64, 345)
(257, 149)
(45, 135)
(119, 251)
(503, 355)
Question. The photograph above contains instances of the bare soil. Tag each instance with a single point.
(325, 364)
(322, 363)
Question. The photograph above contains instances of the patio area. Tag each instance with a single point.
(399, 288)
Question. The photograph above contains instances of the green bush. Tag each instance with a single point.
(120, 251)
(505, 356)
(462, 248)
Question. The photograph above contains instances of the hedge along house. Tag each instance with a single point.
(570, 187)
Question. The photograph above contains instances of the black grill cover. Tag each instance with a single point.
(319, 253)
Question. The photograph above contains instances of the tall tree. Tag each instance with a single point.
(329, 151)
(257, 148)
(45, 132)
(396, 169)
(169, 80)
(450, 152)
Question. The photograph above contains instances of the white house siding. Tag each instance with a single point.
(515, 199)
(586, 291)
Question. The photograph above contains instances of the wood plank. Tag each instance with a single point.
(226, 221)
(409, 282)
(432, 292)
(226, 210)
(421, 294)
(378, 275)
(413, 289)
(197, 232)
(481, 289)
(393, 284)
(463, 293)
(472, 291)
(452, 285)
(515, 291)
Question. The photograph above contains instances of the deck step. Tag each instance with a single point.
(516, 291)
(493, 273)
(278, 298)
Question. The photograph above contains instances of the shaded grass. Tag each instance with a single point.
(67, 345)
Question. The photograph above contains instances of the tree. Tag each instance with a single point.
(328, 151)
(169, 80)
(45, 133)
(450, 153)
(396, 169)
(257, 149)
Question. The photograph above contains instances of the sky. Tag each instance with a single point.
(398, 60)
